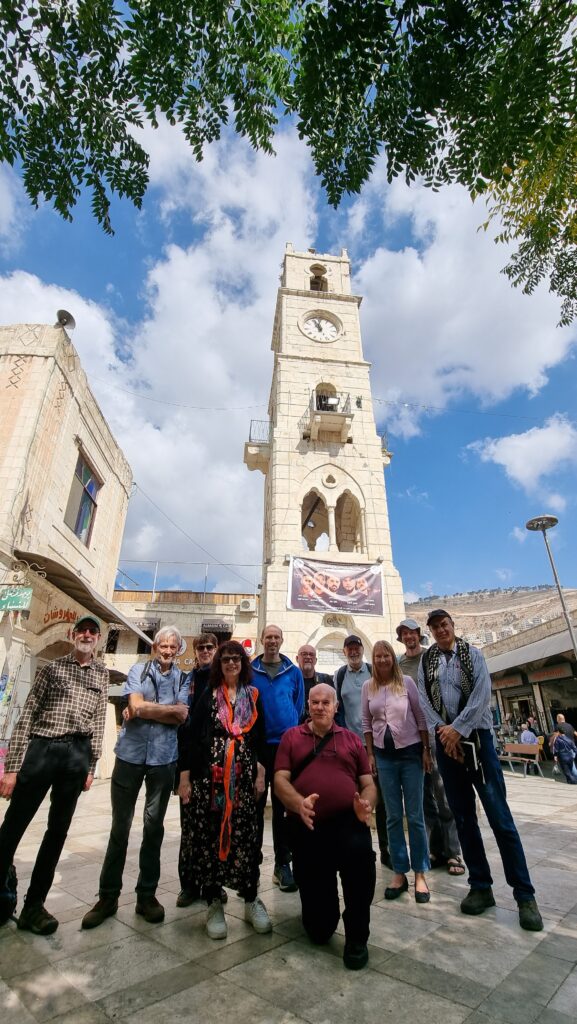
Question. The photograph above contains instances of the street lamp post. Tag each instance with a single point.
(540, 524)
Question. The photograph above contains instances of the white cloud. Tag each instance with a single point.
(204, 341)
(411, 596)
(505, 575)
(439, 320)
(413, 494)
(531, 458)
(14, 210)
(518, 534)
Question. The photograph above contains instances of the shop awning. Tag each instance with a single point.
(146, 623)
(539, 650)
(79, 590)
(217, 626)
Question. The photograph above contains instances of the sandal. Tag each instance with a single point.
(455, 866)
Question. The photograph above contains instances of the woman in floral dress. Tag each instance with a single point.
(224, 779)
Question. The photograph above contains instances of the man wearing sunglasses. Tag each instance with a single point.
(146, 752)
(55, 745)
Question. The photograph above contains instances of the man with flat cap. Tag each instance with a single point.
(55, 745)
(455, 691)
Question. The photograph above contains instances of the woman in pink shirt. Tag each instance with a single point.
(398, 748)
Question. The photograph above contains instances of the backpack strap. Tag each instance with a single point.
(310, 756)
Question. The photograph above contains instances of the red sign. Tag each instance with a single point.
(248, 646)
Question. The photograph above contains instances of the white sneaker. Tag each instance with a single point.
(215, 922)
(256, 915)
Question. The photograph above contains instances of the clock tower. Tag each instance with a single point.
(327, 561)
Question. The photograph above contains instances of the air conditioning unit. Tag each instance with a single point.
(247, 604)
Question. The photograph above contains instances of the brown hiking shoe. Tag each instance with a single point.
(37, 920)
(149, 908)
(106, 907)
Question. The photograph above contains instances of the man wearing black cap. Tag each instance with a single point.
(348, 681)
(444, 846)
(455, 691)
(55, 745)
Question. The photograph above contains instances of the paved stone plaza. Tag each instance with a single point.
(428, 964)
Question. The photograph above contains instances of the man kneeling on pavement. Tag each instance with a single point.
(323, 778)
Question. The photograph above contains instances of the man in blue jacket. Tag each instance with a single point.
(281, 688)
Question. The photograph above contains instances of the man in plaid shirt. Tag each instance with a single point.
(55, 745)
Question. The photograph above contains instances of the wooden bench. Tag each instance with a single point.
(521, 753)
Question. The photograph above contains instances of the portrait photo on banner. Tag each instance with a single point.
(315, 585)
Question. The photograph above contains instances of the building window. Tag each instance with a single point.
(142, 646)
(81, 508)
(112, 641)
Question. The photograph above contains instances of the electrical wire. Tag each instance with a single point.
(180, 405)
(217, 561)
(398, 404)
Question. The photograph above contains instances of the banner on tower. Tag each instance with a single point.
(316, 586)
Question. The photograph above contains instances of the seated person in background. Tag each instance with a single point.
(528, 736)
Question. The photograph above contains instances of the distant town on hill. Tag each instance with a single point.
(485, 616)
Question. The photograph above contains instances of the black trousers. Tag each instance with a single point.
(62, 766)
(341, 846)
(125, 786)
(282, 850)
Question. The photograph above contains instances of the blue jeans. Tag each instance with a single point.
(460, 786)
(568, 768)
(401, 779)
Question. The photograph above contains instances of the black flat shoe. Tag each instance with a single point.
(422, 897)
(392, 892)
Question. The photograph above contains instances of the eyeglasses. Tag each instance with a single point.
(236, 658)
(93, 630)
(205, 647)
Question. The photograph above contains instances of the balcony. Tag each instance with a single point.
(329, 416)
(257, 448)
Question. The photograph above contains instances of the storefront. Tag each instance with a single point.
(538, 679)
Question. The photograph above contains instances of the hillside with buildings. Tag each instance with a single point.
(485, 616)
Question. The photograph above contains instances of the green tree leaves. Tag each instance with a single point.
(480, 92)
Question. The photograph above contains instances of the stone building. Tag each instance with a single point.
(225, 615)
(64, 490)
(327, 561)
(535, 673)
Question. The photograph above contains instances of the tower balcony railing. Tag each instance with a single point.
(260, 432)
(257, 448)
(329, 415)
(322, 401)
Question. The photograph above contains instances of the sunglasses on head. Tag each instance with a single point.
(231, 657)
(205, 647)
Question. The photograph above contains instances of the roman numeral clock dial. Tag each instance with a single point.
(320, 327)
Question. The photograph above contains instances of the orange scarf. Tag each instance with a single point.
(236, 722)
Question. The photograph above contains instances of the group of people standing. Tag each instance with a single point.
(408, 736)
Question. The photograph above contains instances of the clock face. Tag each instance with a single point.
(320, 328)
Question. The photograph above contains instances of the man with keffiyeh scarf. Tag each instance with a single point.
(455, 692)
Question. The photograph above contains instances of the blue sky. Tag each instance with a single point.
(473, 382)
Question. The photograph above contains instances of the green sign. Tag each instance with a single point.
(15, 598)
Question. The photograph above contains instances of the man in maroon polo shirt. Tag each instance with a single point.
(322, 777)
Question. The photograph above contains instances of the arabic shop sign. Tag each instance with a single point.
(14, 599)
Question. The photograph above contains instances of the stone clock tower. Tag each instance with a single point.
(327, 561)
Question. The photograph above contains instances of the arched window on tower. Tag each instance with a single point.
(314, 523)
(348, 523)
(318, 281)
(326, 399)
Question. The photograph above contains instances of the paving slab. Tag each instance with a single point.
(425, 962)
